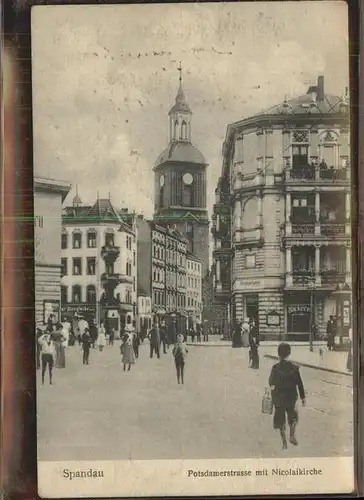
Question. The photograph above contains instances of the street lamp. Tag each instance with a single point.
(311, 287)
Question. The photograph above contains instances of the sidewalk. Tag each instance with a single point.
(330, 361)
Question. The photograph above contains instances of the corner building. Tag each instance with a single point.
(180, 183)
(286, 180)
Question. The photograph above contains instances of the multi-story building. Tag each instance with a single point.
(99, 265)
(194, 288)
(162, 266)
(48, 197)
(286, 181)
(144, 311)
(180, 183)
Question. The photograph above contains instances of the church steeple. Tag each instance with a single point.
(180, 115)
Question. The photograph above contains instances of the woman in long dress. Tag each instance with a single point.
(101, 339)
(127, 352)
(245, 333)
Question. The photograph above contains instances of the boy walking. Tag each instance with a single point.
(285, 380)
(180, 352)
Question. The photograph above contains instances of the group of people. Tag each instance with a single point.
(246, 334)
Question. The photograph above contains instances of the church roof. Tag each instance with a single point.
(181, 103)
(183, 152)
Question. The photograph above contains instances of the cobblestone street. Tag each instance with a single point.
(100, 412)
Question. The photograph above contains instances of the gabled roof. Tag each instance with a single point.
(103, 210)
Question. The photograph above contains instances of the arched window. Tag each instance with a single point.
(91, 238)
(91, 294)
(64, 293)
(76, 294)
(184, 130)
(329, 150)
(175, 128)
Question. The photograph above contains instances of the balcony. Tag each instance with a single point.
(221, 230)
(332, 277)
(109, 252)
(303, 229)
(317, 173)
(332, 230)
(222, 289)
(303, 277)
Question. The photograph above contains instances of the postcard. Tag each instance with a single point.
(192, 194)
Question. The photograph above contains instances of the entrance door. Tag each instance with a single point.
(252, 308)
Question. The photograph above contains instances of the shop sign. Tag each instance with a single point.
(251, 284)
(51, 307)
(273, 318)
(299, 309)
(78, 309)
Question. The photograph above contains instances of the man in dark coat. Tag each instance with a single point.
(254, 344)
(155, 340)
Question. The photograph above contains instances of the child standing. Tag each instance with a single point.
(127, 351)
(180, 353)
(284, 380)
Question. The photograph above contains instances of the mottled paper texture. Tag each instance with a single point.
(192, 170)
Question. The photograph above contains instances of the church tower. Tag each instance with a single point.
(180, 181)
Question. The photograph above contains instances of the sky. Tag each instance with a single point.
(105, 77)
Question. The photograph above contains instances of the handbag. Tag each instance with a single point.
(267, 402)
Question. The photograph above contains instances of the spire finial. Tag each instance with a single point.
(180, 71)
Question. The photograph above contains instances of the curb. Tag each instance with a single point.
(228, 344)
(308, 365)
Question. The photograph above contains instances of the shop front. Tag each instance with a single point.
(300, 316)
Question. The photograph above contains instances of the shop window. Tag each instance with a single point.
(76, 294)
(91, 294)
(77, 266)
(77, 240)
(64, 270)
(91, 266)
(91, 239)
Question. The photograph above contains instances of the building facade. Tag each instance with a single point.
(180, 183)
(162, 267)
(99, 265)
(194, 288)
(286, 182)
(48, 198)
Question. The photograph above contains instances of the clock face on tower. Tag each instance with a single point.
(188, 179)
(161, 180)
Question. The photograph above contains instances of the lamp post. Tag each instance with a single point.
(311, 286)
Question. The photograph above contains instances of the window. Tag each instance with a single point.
(250, 261)
(299, 156)
(64, 241)
(76, 294)
(189, 236)
(154, 275)
(184, 130)
(128, 268)
(134, 258)
(187, 195)
(77, 266)
(64, 267)
(77, 239)
(64, 294)
(109, 239)
(161, 197)
(91, 266)
(91, 239)
(328, 154)
(91, 294)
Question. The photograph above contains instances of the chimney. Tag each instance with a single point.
(320, 89)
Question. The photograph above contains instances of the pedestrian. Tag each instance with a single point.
(237, 335)
(127, 351)
(245, 333)
(59, 339)
(205, 332)
(330, 331)
(164, 337)
(101, 338)
(111, 335)
(82, 325)
(254, 345)
(86, 344)
(179, 353)
(93, 333)
(192, 333)
(284, 381)
(66, 331)
(48, 354)
(199, 333)
(38, 347)
(155, 340)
